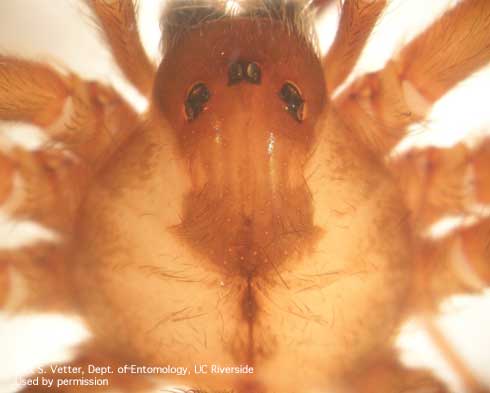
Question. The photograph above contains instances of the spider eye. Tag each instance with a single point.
(295, 104)
(235, 73)
(253, 73)
(197, 97)
(244, 71)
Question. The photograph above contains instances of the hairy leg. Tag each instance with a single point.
(4, 284)
(454, 47)
(376, 109)
(384, 103)
(118, 22)
(357, 21)
(90, 119)
(46, 186)
(6, 175)
(436, 182)
(380, 106)
(30, 91)
(456, 264)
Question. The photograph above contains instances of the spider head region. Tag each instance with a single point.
(243, 97)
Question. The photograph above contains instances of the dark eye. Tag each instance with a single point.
(195, 101)
(295, 104)
(235, 73)
(253, 73)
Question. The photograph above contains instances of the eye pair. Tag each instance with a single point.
(249, 72)
(199, 95)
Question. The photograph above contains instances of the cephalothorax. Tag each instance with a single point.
(248, 217)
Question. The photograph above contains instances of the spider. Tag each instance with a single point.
(253, 216)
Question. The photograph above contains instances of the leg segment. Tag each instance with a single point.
(89, 118)
(6, 177)
(481, 173)
(454, 47)
(35, 280)
(30, 92)
(118, 21)
(47, 185)
(44, 189)
(456, 264)
(437, 182)
(377, 109)
(357, 20)
(4, 283)
(475, 244)
(384, 103)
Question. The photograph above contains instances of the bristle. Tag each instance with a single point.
(180, 16)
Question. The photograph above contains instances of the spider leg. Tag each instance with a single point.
(384, 103)
(456, 264)
(90, 119)
(454, 47)
(30, 92)
(118, 21)
(42, 182)
(43, 189)
(436, 182)
(376, 110)
(357, 20)
(35, 280)
(4, 284)
(6, 177)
